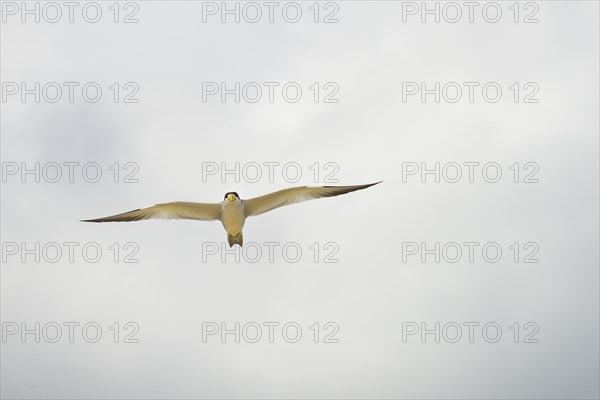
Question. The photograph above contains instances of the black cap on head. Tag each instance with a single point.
(233, 193)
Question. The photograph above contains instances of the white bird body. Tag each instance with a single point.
(233, 217)
(232, 211)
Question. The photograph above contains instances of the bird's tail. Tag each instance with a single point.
(238, 239)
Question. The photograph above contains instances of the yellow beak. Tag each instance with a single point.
(230, 197)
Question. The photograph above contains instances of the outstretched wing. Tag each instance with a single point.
(174, 210)
(262, 204)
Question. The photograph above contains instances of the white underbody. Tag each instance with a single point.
(233, 216)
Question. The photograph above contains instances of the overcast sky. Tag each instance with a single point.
(172, 136)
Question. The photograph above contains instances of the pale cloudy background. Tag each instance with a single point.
(369, 134)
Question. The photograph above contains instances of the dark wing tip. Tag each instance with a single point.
(368, 185)
(359, 186)
(112, 218)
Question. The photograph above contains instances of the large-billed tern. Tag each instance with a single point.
(232, 211)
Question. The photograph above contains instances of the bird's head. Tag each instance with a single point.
(231, 196)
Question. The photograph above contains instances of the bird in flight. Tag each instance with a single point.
(232, 211)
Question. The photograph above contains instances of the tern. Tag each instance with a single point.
(232, 211)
